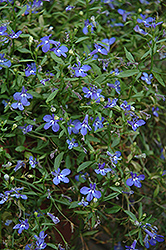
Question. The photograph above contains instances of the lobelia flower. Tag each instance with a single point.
(98, 49)
(8, 222)
(139, 30)
(61, 176)
(72, 143)
(124, 14)
(154, 110)
(132, 247)
(68, 8)
(98, 123)
(40, 241)
(31, 69)
(71, 128)
(135, 180)
(91, 192)
(23, 97)
(26, 129)
(3, 30)
(17, 194)
(45, 43)
(80, 71)
(83, 202)
(19, 165)
(116, 86)
(114, 158)
(83, 126)
(86, 29)
(147, 78)
(107, 42)
(118, 247)
(23, 225)
(4, 197)
(111, 104)
(102, 170)
(136, 123)
(60, 50)
(52, 121)
(93, 93)
(53, 218)
(43, 81)
(14, 35)
(154, 238)
(32, 162)
(4, 62)
(125, 106)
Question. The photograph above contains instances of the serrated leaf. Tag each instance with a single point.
(52, 96)
(58, 160)
(128, 73)
(129, 56)
(84, 165)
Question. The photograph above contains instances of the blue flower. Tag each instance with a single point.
(4, 197)
(17, 194)
(98, 123)
(43, 81)
(102, 170)
(19, 165)
(71, 128)
(26, 129)
(80, 71)
(14, 35)
(68, 8)
(60, 50)
(83, 126)
(139, 30)
(116, 86)
(93, 93)
(61, 176)
(147, 78)
(154, 110)
(3, 30)
(23, 225)
(107, 42)
(23, 97)
(114, 158)
(98, 49)
(8, 222)
(136, 123)
(72, 143)
(118, 247)
(91, 192)
(31, 69)
(83, 202)
(86, 27)
(28, 247)
(135, 180)
(124, 14)
(154, 237)
(111, 104)
(32, 162)
(4, 62)
(53, 218)
(125, 106)
(40, 241)
(52, 121)
(132, 247)
(46, 41)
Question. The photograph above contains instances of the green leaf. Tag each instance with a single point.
(158, 78)
(113, 210)
(147, 53)
(116, 189)
(58, 160)
(140, 210)
(131, 215)
(90, 233)
(23, 50)
(52, 96)
(22, 11)
(57, 59)
(82, 39)
(132, 232)
(84, 165)
(96, 69)
(128, 73)
(116, 141)
(156, 191)
(20, 148)
(74, 204)
(111, 196)
(52, 245)
(129, 56)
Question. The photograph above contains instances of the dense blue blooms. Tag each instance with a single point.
(154, 238)
(40, 241)
(147, 78)
(51, 121)
(14, 35)
(26, 129)
(91, 192)
(98, 49)
(83, 202)
(98, 123)
(4, 62)
(60, 50)
(71, 127)
(4, 197)
(84, 126)
(135, 180)
(107, 42)
(19, 165)
(93, 93)
(22, 99)
(72, 143)
(110, 103)
(23, 225)
(114, 158)
(80, 71)
(60, 176)
(124, 14)
(116, 86)
(139, 30)
(87, 24)
(148, 22)
(3, 30)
